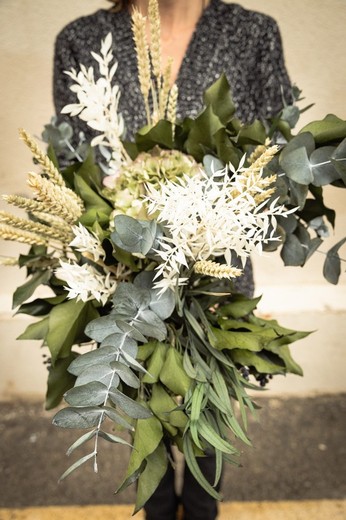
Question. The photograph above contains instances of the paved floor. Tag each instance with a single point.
(295, 470)
(305, 510)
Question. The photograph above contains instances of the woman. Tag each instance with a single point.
(205, 38)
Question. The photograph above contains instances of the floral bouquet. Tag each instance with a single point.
(139, 252)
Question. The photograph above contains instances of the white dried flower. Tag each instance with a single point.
(85, 283)
(86, 242)
(205, 220)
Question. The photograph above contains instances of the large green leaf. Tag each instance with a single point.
(261, 362)
(90, 198)
(201, 135)
(155, 469)
(240, 306)
(67, 322)
(329, 129)
(36, 330)
(218, 95)
(173, 375)
(147, 437)
(223, 339)
(23, 293)
(59, 381)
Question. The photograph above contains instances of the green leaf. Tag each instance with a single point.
(104, 356)
(329, 129)
(191, 461)
(155, 364)
(201, 136)
(147, 437)
(240, 306)
(67, 322)
(90, 198)
(222, 339)
(125, 374)
(161, 134)
(99, 372)
(37, 330)
(162, 405)
(210, 435)
(113, 438)
(252, 359)
(59, 381)
(152, 475)
(218, 95)
(25, 291)
(284, 353)
(298, 193)
(173, 375)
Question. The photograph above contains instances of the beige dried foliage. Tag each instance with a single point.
(142, 51)
(17, 235)
(35, 227)
(155, 37)
(47, 165)
(216, 270)
(57, 199)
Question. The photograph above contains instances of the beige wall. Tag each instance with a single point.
(314, 40)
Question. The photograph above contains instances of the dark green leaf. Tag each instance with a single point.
(37, 330)
(332, 263)
(329, 129)
(59, 381)
(218, 95)
(155, 469)
(23, 293)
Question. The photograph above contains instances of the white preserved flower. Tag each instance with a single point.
(85, 283)
(86, 242)
(98, 104)
(207, 217)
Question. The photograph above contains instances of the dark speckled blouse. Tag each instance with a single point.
(244, 44)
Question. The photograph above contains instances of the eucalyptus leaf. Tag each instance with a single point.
(292, 252)
(125, 374)
(323, 170)
(101, 327)
(81, 440)
(93, 393)
(100, 373)
(128, 405)
(162, 304)
(78, 417)
(76, 465)
(102, 356)
(332, 263)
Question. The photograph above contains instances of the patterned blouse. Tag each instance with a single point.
(243, 44)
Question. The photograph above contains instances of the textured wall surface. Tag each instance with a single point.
(314, 42)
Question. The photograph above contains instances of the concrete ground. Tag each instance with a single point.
(295, 470)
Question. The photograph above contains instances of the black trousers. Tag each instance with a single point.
(197, 503)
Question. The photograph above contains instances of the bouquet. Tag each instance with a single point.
(139, 250)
